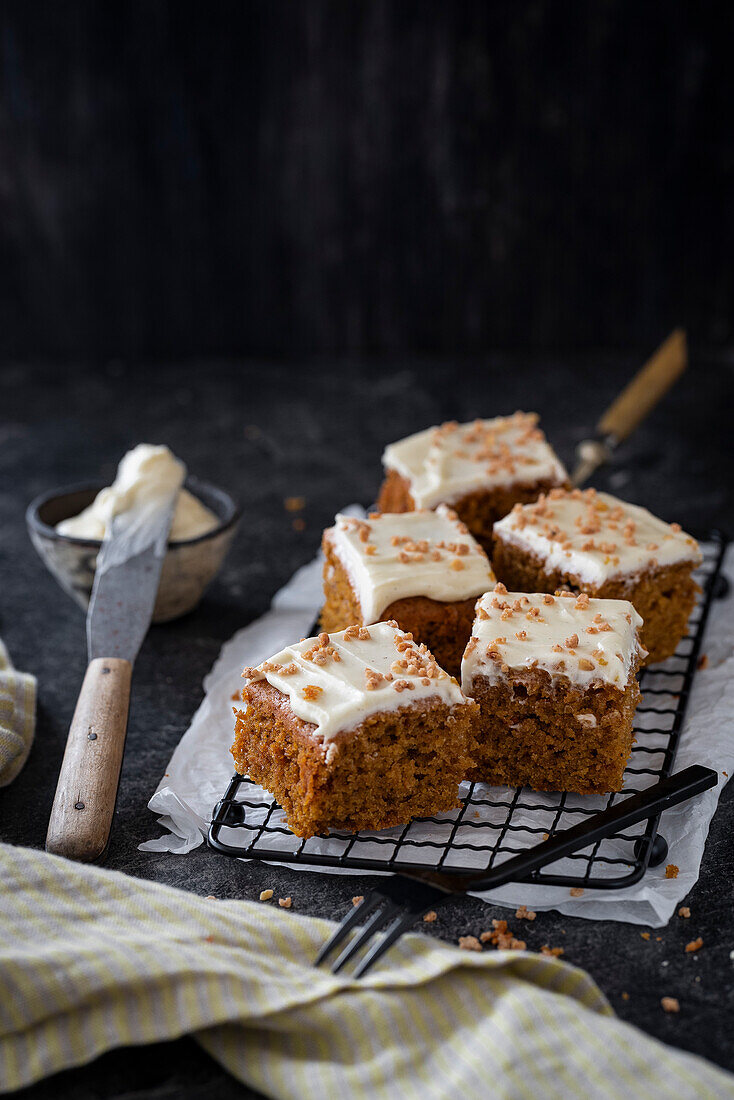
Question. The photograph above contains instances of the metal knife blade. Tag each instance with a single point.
(126, 581)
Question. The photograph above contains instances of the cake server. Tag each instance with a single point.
(406, 897)
(121, 606)
(634, 403)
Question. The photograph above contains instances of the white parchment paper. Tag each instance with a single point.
(201, 767)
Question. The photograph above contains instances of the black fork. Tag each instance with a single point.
(407, 897)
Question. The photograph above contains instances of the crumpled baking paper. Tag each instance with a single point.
(201, 767)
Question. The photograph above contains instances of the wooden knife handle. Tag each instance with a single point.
(85, 797)
(646, 389)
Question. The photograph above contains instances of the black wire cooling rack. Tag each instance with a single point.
(494, 823)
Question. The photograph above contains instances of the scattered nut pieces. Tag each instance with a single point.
(430, 916)
(552, 951)
(266, 895)
(210, 897)
(694, 945)
(285, 903)
(502, 937)
(645, 935)
(576, 891)
(523, 913)
(469, 943)
(625, 996)
(684, 912)
(671, 871)
(670, 1004)
(357, 898)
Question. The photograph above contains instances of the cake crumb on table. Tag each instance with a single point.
(523, 913)
(469, 943)
(285, 903)
(552, 951)
(502, 937)
(684, 912)
(576, 891)
(694, 945)
(266, 895)
(671, 871)
(299, 524)
(357, 899)
(645, 935)
(430, 916)
(294, 504)
(210, 897)
(670, 1004)
(625, 996)
(703, 661)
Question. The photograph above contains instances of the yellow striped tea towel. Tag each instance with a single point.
(92, 959)
(17, 717)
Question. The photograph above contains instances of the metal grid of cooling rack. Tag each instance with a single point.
(493, 823)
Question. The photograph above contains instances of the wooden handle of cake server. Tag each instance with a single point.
(86, 793)
(647, 388)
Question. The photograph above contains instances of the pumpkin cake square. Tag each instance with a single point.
(592, 542)
(555, 681)
(480, 469)
(422, 569)
(360, 729)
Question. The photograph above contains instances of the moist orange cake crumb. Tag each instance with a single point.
(556, 702)
(586, 541)
(386, 738)
(481, 469)
(422, 569)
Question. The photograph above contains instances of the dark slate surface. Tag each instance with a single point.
(266, 432)
(363, 177)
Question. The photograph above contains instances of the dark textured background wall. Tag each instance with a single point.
(289, 176)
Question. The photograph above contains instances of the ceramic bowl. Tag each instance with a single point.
(189, 566)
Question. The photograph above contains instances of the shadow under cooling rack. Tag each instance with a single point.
(494, 823)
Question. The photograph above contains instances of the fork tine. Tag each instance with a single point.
(394, 932)
(358, 913)
(360, 940)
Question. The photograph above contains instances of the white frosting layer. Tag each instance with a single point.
(146, 472)
(444, 464)
(391, 557)
(579, 638)
(335, 681)
(595, 536)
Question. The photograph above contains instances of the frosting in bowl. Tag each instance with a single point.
(145, 472)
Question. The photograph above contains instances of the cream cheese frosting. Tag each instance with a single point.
(146, 472)
(391, 557)
(443, 464)
(595, 536)
(582, 639)
(335, 681)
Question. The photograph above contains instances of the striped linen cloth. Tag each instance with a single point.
(92, 959)
(17, 717)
